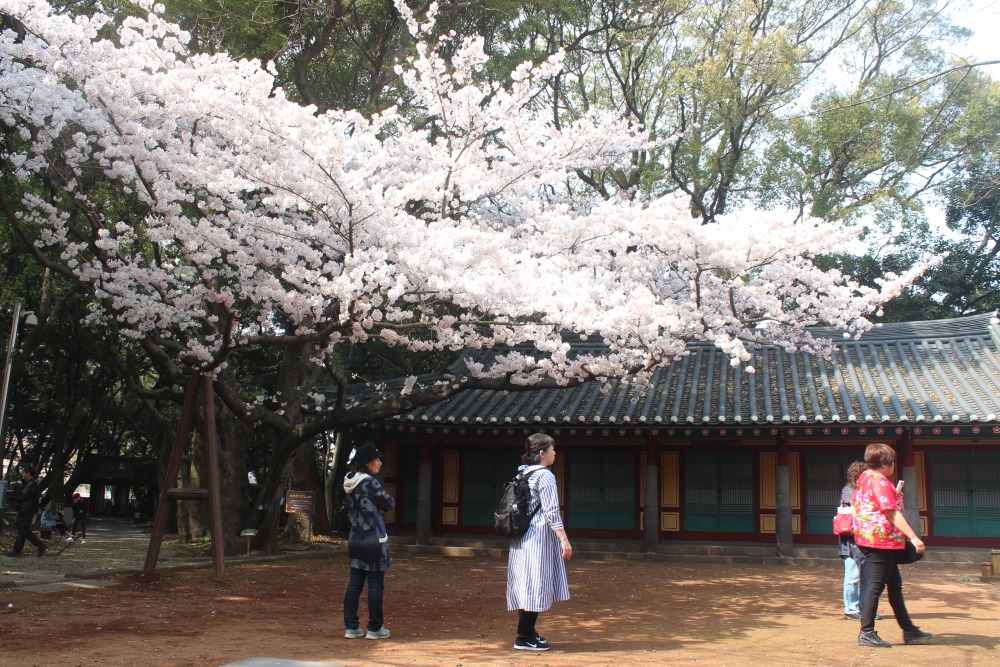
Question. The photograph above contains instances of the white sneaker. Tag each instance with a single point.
(68, 538)
(83, 541)
(381, 633)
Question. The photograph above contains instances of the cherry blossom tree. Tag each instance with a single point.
(256, 222)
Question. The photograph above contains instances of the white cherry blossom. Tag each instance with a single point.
(464, 228)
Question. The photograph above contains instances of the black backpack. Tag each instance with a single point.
(511, 518)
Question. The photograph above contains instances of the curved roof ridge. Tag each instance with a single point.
(903, 372)
(955, 327)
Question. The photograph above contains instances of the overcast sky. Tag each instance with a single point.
(984, 19)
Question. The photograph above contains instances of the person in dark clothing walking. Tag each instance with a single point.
(368, 543)
(27, 508)
(79, 518)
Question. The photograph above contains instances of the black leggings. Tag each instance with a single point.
(526, 623)
(880, 570)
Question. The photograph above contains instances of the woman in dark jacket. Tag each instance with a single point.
(368, 543)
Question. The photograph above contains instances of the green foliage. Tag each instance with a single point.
(242, 28)
(967, 281)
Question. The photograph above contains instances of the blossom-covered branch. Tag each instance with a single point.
(255, 221)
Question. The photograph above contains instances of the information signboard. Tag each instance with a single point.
(300, 502)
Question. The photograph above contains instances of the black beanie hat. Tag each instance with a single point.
(365, 455)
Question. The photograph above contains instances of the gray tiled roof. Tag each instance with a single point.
(945, 371)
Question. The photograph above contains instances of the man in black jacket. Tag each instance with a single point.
(26, 510)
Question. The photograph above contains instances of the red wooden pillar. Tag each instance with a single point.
(907, 471)
(651, 498)
(783, 483)
(424, 480)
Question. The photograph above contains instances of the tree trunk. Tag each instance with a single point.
(233, 481)
(162, 460)
(183, 506)
(268, 510)
(57, 493)
(198, 511)
(306, 476)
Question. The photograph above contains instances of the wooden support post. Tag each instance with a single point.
(212, 493)
(173, 467)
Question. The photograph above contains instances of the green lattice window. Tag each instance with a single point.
(601, 491)
(825, 476)
(484, 472)
(965, 497)
(719, 492)
(409, 476)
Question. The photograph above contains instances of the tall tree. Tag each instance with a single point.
(836, 109)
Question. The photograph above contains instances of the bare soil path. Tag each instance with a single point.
(450, 611)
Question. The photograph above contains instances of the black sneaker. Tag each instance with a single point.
(525, 644)
(872, 640)
(916, 636)
(541, 641)
(42, 549)
(853, 617)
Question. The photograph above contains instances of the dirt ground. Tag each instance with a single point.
(450, 611)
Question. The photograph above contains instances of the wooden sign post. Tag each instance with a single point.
(302, 502)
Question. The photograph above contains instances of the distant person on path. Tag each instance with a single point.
(881, 532)
(848, 550)
(367, 544)
(536, 573)
(27, 508)
(52, 518)
(79, 518)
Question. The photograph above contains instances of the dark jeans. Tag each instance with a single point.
(880, 570)
(352, 596)
(82, 523)
(24, 522)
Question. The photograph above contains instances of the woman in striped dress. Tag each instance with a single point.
(536, 574)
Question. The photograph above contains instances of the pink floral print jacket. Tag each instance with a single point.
(873, 496)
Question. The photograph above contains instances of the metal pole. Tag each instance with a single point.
(6, 381)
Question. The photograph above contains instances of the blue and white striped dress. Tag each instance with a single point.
(536, 572)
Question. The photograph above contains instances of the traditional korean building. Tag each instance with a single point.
(714, 453)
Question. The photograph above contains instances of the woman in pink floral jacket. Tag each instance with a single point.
(881, 531)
